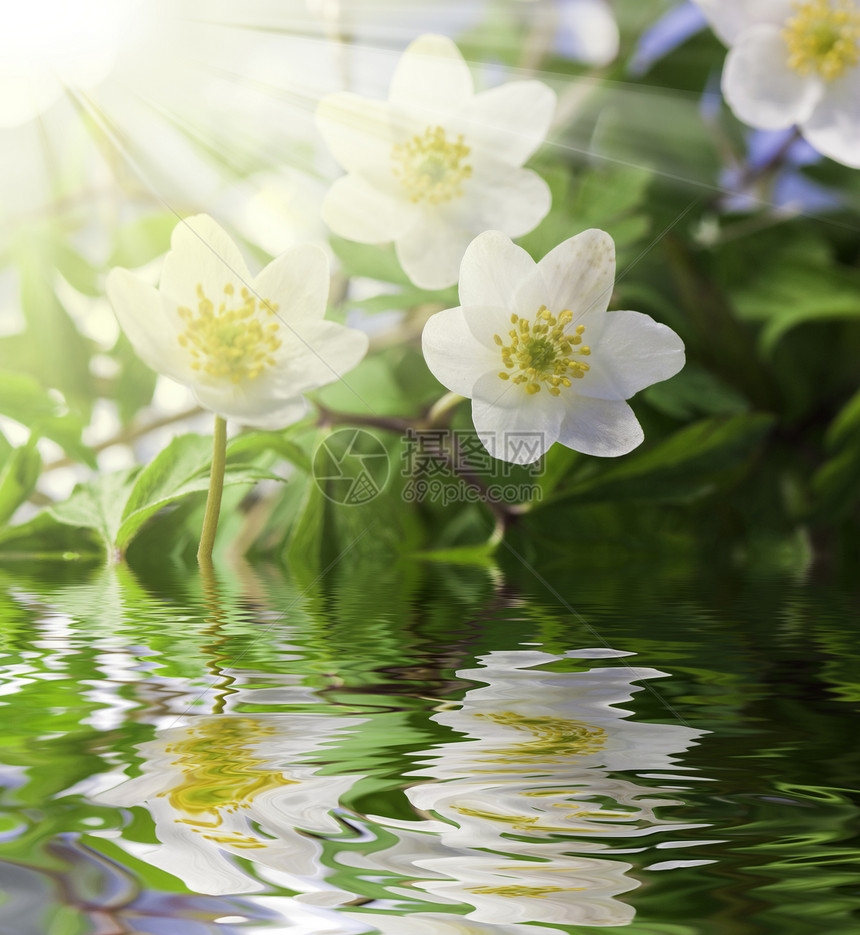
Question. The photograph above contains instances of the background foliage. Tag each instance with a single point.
(753, 450)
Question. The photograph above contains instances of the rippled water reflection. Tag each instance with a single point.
(432, 752)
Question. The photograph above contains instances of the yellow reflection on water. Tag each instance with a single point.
(550, 737)
(221, 773)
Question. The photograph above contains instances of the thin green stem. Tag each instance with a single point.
(216, 487)
(442, 408)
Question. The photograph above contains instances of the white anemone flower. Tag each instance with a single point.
(794, 62)
(535, 349)
(248, 346)
(437, 163)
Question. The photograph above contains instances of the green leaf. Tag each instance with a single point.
(836, 484)
(143, 240)
(98, 505)
(249, 444)
(134, 384)
(694, 391)
(682, 466)
(18, 478)
(45, 537)
(846, 425)
(53, 350)
(117, 505)
(370, 261)
(607, 197)
(26, 401)
(796, 288)
(182, 468)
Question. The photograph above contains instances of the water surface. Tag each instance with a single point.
(427, 749)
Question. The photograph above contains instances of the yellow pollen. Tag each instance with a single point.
(431, 167)
(822, 37)
(543, 353)
(230, 342)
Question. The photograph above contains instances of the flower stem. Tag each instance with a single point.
(440, 410)
(216, 486)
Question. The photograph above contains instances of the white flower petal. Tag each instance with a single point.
(357, 130)
(834, 127)
(603, 427)
(201, 253)
(631, 351)
(314, 354)
(729, 18)
(509, 122)
(452, 352)
(358, 211)
(260, 411)
(519, 433)
(759, 85)
(579, 273)
(492, 272)
(298, 282)
(430, 252)
(153, 332)
(514, 201)
(431, 77)
(591, 31)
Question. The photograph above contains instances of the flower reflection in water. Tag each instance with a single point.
(523, 799)
(524, 818)
(232, 785)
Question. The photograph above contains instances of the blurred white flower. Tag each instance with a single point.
(249, 347)
(516, 347)
(437, 163)
(586, 30)
(234, 786)
(794, 62)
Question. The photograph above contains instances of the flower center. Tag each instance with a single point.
(542, 352)
(822, 37)
(430, 167)
(231, 343)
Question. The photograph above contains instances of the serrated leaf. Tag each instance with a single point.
(98, 505)
(182, 468)
(132, 521)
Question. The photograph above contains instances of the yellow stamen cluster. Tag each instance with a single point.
(822, 37)
(430, 167)
(540, 353)
(230, 343)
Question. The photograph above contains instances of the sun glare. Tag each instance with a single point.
(47, 46)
